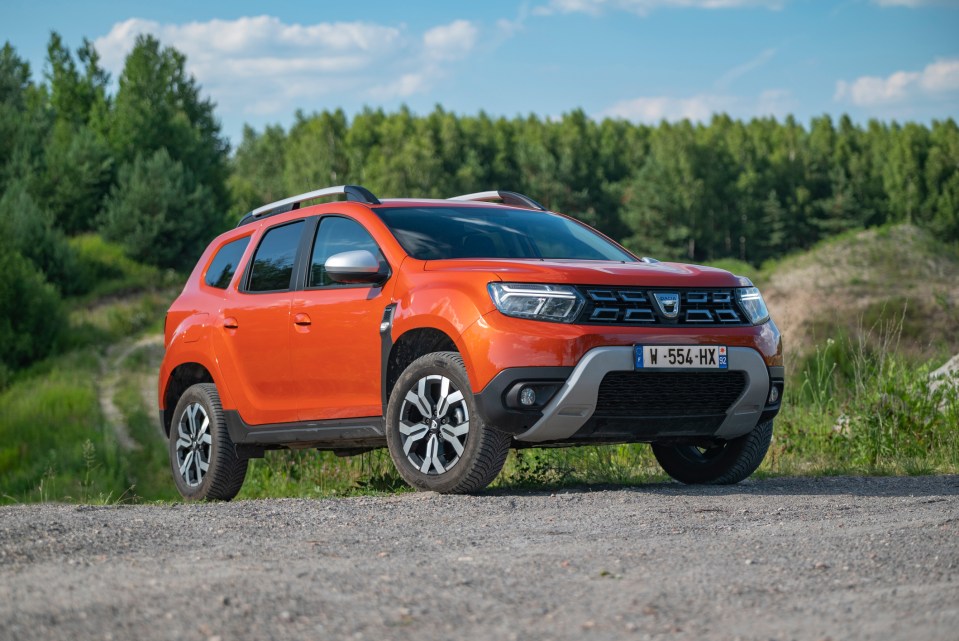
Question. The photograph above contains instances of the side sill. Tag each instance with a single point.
(347, 433)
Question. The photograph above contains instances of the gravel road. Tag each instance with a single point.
(797, 558)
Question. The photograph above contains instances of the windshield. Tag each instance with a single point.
(436, 233)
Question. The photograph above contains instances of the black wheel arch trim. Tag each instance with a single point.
(386, 346)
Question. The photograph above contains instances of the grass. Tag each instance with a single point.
(55, 445)
(850, 408)
(859, 405)
(860, 402)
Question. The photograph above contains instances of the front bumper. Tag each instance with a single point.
(569, 415)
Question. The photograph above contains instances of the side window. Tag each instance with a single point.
(224, 264)
(273, 262)
(337, 235)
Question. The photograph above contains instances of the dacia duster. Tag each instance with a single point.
(450, 331)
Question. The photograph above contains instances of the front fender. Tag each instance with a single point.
(449, 304)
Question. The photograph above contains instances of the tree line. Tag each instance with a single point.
(147, 167)
(747, 190)
(144, 166)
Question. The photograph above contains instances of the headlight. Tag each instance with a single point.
(557, 303)
(753, 304)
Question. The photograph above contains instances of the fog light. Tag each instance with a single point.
(773, 395)
(527, 396)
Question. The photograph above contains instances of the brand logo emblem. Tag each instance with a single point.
(668, 303)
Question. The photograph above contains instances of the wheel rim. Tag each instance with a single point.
(193, 444)
(434, 424)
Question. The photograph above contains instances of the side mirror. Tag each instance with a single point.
(358, 266)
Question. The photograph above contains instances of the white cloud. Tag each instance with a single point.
(644, 7)
(252, 39)
(450, 41)
(701, 107)
(652, 109)
(937, 79)
(406, 85)
(261, 65)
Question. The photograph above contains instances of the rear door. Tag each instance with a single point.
(335, 343)
(255, 326)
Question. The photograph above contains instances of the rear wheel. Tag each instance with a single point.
(436, 436)
(724, 464)
(202, 456)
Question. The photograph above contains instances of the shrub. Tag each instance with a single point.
(31, 314)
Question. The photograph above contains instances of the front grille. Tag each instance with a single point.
(638, 306)
(668, 394)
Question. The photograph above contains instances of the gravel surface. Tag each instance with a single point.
(798, 558)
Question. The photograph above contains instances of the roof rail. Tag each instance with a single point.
(352, 192)
(507, 198)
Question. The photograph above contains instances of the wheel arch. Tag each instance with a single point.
(181, 378)
(408, 347)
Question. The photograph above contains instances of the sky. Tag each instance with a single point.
(642, 60)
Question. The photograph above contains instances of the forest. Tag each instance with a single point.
(142, 164)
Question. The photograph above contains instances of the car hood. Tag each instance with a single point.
(595, 272)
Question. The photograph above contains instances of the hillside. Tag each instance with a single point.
(855, 283)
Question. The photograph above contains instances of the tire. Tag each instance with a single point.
(452, 450)
(726, 464)
(192, 445)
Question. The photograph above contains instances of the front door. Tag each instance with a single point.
(335, 343)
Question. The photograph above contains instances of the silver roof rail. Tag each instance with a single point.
(352, 192)
(506, 197)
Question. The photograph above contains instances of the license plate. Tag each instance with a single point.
(680, 356)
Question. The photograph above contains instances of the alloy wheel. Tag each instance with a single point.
(434, 424)
(193, 444)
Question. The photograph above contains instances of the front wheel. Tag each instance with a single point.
(436, 436)
(723, 464)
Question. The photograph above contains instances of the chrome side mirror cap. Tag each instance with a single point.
(358, 266)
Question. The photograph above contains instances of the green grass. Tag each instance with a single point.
(146, 466)
(856, 406)
(860, 406)
(106, 271)
(55, 444)
(859, 403)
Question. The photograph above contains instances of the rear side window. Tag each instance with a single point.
(273, 262)
(224, 264)
(334, 236)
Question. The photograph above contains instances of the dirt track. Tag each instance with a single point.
(844, 558)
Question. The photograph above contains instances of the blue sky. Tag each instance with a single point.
(643, 60)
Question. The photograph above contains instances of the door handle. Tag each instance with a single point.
(230, 323)
(302, 320)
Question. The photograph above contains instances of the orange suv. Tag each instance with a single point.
(450, 331)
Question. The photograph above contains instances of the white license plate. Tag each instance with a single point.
(680, 356)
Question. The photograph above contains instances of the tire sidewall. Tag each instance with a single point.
(194, 394)
(441, 364)
(745, 453)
